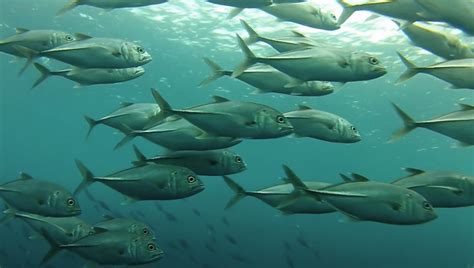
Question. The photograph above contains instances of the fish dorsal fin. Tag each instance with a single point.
(294, 179)
(414, 171)
(303, 107)
(466, 107)
(20, 30)
(25, 176)
(99, 230)
(125, 104)
(218, 99)
(297, 34)
(108, 217)
(345, 178)
(81, 36)
(358, 177)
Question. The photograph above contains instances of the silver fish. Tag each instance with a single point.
(148, 182)
(109, 4)
(110, 247)
(456, 72)
(210, 163)
(305, 14)
(308, 122)
(238, 119)
(443, 44)
(441, 188)
(374, 201)
(242, 3)
(457, 13)
(95, 52)
(267, 79)
(39, 197)
(458, 125)
(64, 230)
(277, 195)
(408, 10)
(178, 135)
(94, 76)
(126, 225)
(322, 64)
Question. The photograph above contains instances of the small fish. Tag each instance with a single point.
(109, 4)
(444, 189)
(289, 261)
(225, 221)
(458, 125)
(304, 14)
(210, 248)
(170, 216)
(242, 3)
(39, 197)
(287, 246)
(268, 79)
(86, 77)
(196, 212)
(149, 182)
(184, 244)
(317, 63)
(308, 122)
(456, 72)
(210, 163)
(127, 225)
(231, 239)
(239, 258)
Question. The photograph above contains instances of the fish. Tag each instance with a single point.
(178, 134)
(231, 239)
(289, 261)
(373, 201)
(444, 189)
(407, 10)
(94, 52)
(450, 12)
(239, 258)
(110, 248)
(237, 119)
(136, 116)
(239, 5)
(458, 125)
(210, 163)
(277, 196)
(36, 40)
(308, 122)
(87, 77)
(306, 14)
(149, 182)
(196, 212)
(297, 41)
(267, 79)
(109, 4)
(440, 43)
(225, 221)
(322, 64)
(184, 244)
(456, 72)
(210, 247)
(126, 225)
(39, 197)
(170, 216)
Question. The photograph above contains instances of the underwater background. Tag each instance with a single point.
(43, 130)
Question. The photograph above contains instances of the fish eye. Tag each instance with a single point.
(373, 61)
(151, 246)
(238, 159)
(427, 206)
(145, 231)
(280, 119)
(353, 128)
(333, 16)
(69, 38)
(140, 50)
(191, 179)
(71, 202)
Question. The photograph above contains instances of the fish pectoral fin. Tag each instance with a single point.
(116, 54)
(343, 63)
(203, 136)
(448, 188)
(395, 206)
(213, 162)
(128, 200)
(250, 123)
(464, 144)
(349, 219)
(2, 189)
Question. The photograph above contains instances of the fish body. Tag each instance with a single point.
(242, 3)
(126, 225)
(110, 4)
(441, 188)
(39, 197)
(305, 14)
(322, 125)
(148, 182)
(458, 125)
(457, 13)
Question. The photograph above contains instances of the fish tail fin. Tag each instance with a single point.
(141, 159)
(92, 123)
(253, 35)
(129, 135)
(411, 69)
(87, 175)
(250, 58)
(10, 214)
(409, 123)
(217, 72)
(45, 73)
(347, 11)
(237, 189)
(165, 107)
(29, 54)
(55, 247)
(68, 7)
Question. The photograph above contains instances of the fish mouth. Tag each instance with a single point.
(75, 211)
(380, 70)
(158, 255)
(199, 188)
(146, 59)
